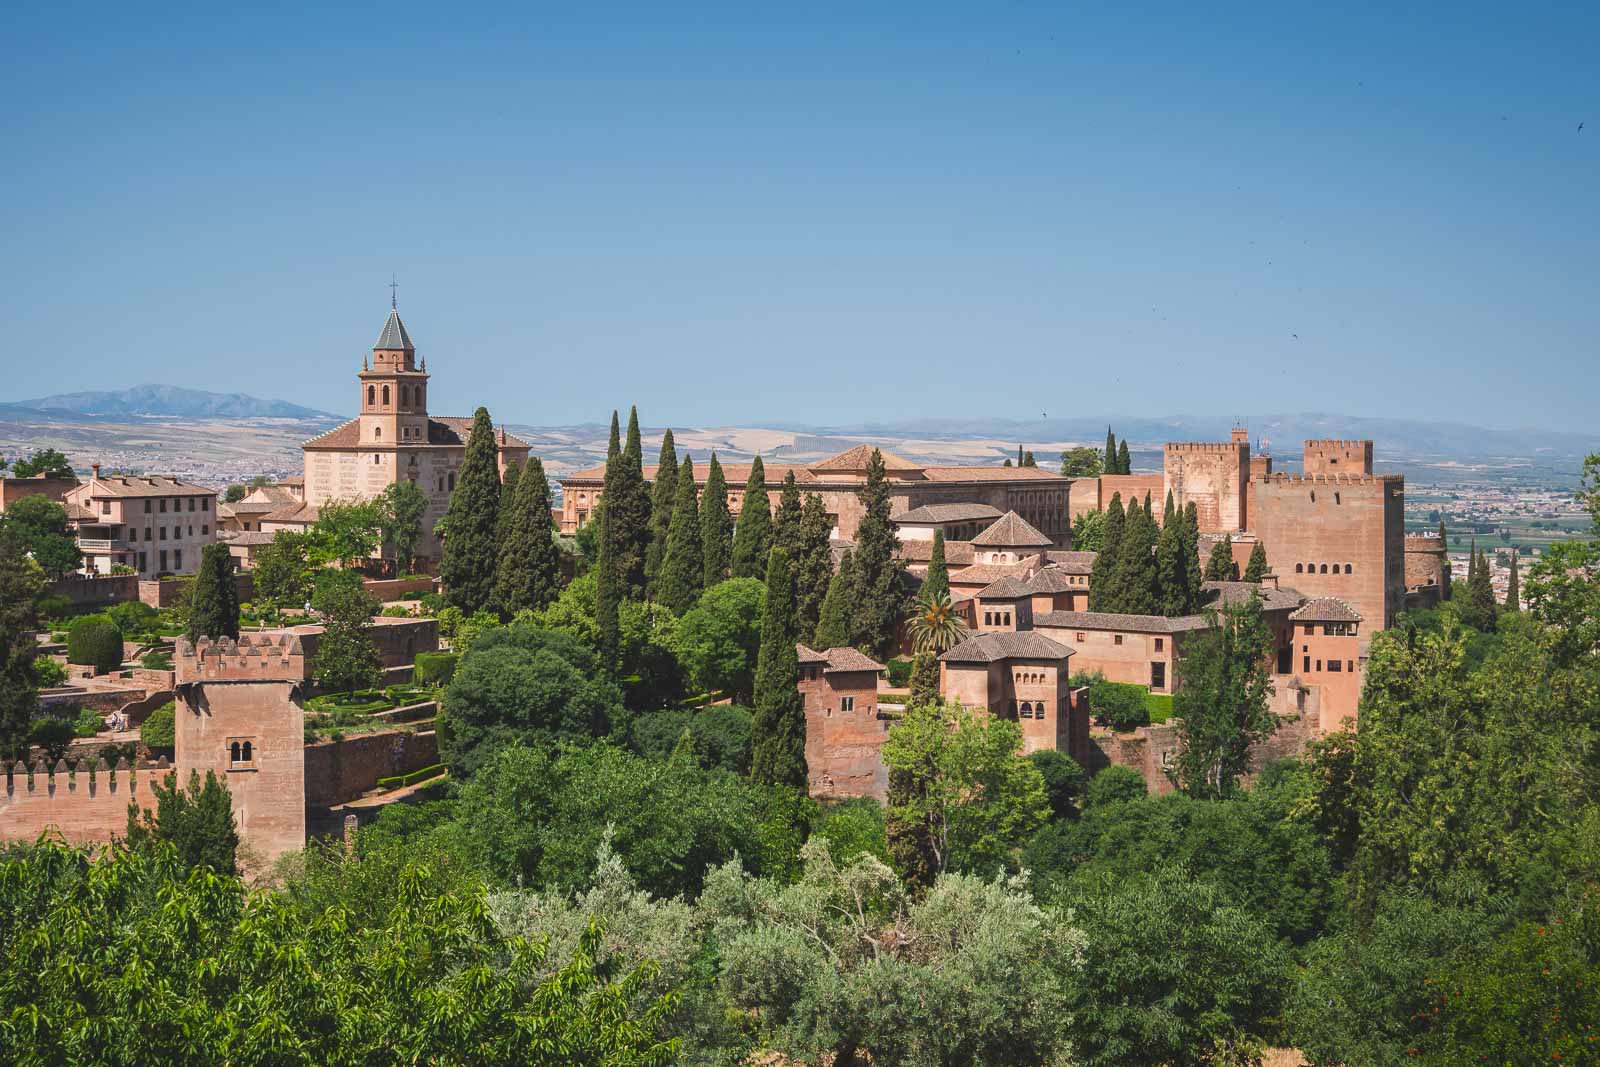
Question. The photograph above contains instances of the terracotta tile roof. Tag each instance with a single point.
(295, 480)
(1325, 609)
(246, 537)
(135, 486)
(1007, 588)
(1051, 580)
(956, 553)
(991, 474)
(736, 474)
(991, 648)
(839, 660)
(251, 507)
(1012, 529)
(447, 431)
(947, 513)
(1073, 562)
(985, 573)
(1228, 594)
(857, 458)
(78, 513)
(1105, 620)
(809, 655)
(294, 513)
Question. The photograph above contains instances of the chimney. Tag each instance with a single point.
(94, 469)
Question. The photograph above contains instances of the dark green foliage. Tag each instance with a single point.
(1172, 570)
(1064, 784)
(1137, 581)
(880, 600)
(1028, 460)
(470, 553)
(1124, 461)
(1119, 705)
(936, 582)
(1088, 531)
(94, 640)
(50, 462)
(41, 523)
(214, 604)
(716, 526)
(1168, 513)
(20, 583)
(134, 618)
(1113, 785)
(779, 753)
(528, 574)
(814, 565)
(838, 607)
(663, 495)
(196, 821)
(434, 668)
(1256, 569)
(1478, 607)
(854, 827)
(281, 571)
(1105, 587)
(899, 671)
(722, 735)
(1111, 464)
(159, 731)
(719, 639)
(628, 516)
(401, 508)
(752, 538)
(609, 569)
(1081, 463)
(1220, 700)
(1514, 586)
(524, 683)
(1220, 567)
(346, 659)
(924, 679)
(1191, 552)
(682, 574)
(786, 521)
(53, 735)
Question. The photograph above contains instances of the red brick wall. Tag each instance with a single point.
(85, 808)
(843, 748)
(1341, 520)
(1211, 476)
(339, 771)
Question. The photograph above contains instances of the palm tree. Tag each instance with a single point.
(935, 627)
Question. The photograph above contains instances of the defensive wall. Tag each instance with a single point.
(85, 802)
(1329, 456)
(340, 771)
(1214, 477)
(1151, 750)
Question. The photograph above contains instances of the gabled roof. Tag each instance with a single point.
(294, 513)
(838, 660)
(1012, 529)
(1106, 620)
(991, 648)
(1074, 562)
(857, 458)
(1007, 588)
(394, 338)
(1228, 594)
(917, 550)
(1325, 609)
(135, 486)
(985, 573)
(947, 513)
(1051, 580)
(991, 474)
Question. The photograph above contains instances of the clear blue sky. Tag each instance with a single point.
(811, 214)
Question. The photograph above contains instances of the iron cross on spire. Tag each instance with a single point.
(393, 285)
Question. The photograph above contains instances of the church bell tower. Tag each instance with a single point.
(394, 390)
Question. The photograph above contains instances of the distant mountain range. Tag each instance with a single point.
(171, 401)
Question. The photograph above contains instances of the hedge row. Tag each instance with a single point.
(400, 781)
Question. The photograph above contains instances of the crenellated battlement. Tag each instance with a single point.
(1333, 443)
(1282, 478)
(271, 656)
(1220, 448)
(1424, 542)
(86, 801)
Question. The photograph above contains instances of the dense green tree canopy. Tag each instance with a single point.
(719, 639)
(41, 524)
(470, 552)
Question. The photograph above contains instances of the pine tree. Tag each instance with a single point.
(1191, 552)
(752, 537)
(786, 521)
(468, 564)
(937, 581)
(1514, 586)
(1137, 576)
(924, 679)
(1104, 592)
(1220, 567)
(1256, 569)
(1111, 453)
(663, 494)
(1124, 460)
(778, 752)
(838, 607)
(716, 525)
(1171, 571)
(879, 598)
(814, 566)
(682, 576)
(529, 571)
(214, 601)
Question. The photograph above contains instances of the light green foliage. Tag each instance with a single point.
(282, 572)
(1171, 975)
(719, 639)
(346, 658)
(752, 538)
(41, 523)
(1220, 703)
(1120, 705)
(134, 617)
(648, 637)
(345, 532)
(159, 730)
(48, 673)
(50, 462)
(935, 627)
(94, 640)
(778, 756)
(1081, 463)
(401, 507)
(470, 554)
(967, 787)
(524, 683)
(214, 604)
(197, 822)
(1113, 785)
(1088, 532)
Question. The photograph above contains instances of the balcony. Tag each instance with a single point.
(101, 544)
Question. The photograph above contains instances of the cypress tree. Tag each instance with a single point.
(879, 598)
(1171, 571)
(1104, 594)
(663, 494)
(924, 679)
(20, 581)
(838, 607)
(1444, 538)
(1167, 512)
(1124, 461)
(716, 525)
(1257, 567)
(508, 492)
(607, 594)
(1111, 453)
(1019, 455)
(778, 751)
(629, 522)
(752, 537)
(1148, 513)
(937, 581)
(214, 602)
(529, 572)
(1007, 463)
(682, 576)
(1137, 577)
(1481, 609)
(1220, 567)
(470, 553)
(1028, 460)
(1191, 552)
(786, 522)
(1514, 587)
(814, 568)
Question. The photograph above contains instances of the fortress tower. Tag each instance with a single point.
(1338, 457)
(1214, 477)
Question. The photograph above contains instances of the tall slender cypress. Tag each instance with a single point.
(1104, 594)
(1124, 460)
(1137, 577)
(1111, 453)
(682, 576)
(1256, 569)
(752, 536)
(1221, 567)
(1514, 586)
(1167, 512)
(1171, 571)
(607, 592)
(778, 753)
(529, 572)
(214, 603)
(1191, 552)
(508, 492)
(879, 598)
(716, 525)
(937, 581)
(838, 607)
(786, 522)
(628, 515)
(470, 553)
(663, 494)
(814, 568)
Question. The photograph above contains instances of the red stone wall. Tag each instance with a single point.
(85, 808)
(1099, 652)
(1150, 750)
(843, 748)
(1344, 521)
(1315, 654)
(340, 771)
(1338, 457)
(1211, 476)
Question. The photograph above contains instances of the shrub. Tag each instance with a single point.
(722, 735)
(396, 611)
(1120, 706)
(52, 606)
(432, 603)
(399, 781)
(1159, 705)
(89, 723)
(434, 668)
(53, 735)
(49, 673)
(95, 641)
(122, 568)
(1115, 783)
(160, 730)
(1063, 781)
(899, 672)
(157, 661)
(134, 617)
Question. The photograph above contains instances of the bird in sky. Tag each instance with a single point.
(1295, 336)
(1580, 127)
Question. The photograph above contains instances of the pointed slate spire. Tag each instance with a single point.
(394, 337)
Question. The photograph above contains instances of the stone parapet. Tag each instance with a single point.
(1213, 447)
(1282, 478)
(85, 802)
(260, 657)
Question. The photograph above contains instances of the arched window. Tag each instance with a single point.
(386, 396)
(405, 395)
(1299, 568)
(233, 752)
(1349, 569)
(248, 755)
(1324, 568)
(377, 433)
(372, 395)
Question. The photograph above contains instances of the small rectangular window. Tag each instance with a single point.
(105, 507)
(847, 703)
(147, 507)
(1307, 667)
(1116, 639)
(163, 505)
(163, 533)
(1160, 644)
(177, 559)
